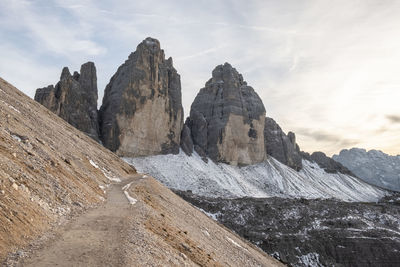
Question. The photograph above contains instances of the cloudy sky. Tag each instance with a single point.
(327, 70)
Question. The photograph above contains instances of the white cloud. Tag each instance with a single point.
(48, 31)
(319, 66)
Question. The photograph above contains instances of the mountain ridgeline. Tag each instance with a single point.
(142, 113)
(373, 166)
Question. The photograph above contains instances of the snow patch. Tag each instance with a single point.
(109, 176)
(105, 172)
(205, 232)
(267, 179)
(233, 242)
(211, 215)
(126, 187)
(149, 42)
(9, 106)
(130, 199)
(16, 137)
(93, 164)
(102, 187)
(310, 260)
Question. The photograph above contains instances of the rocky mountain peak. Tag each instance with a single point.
(88, 81)
(373, 166)
(281, 146)
(65, 74)
(227, 119)
(292, 138)
(149, 46)
(74, 98)
(151, 43)
(225, 73)
(142, 111)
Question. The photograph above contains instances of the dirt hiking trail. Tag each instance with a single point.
(93, 239)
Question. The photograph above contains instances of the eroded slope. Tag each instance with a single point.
(267, 179)
(45, 169)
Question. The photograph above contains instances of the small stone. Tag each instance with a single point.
(185, 246)
(15, 186)
(14, 154)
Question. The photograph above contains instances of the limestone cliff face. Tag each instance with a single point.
(142, 110)
(74, 98)
(281, 146)
(227, 119)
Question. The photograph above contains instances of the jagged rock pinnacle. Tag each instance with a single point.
(227, 119)
(74, 98)
(142, 110)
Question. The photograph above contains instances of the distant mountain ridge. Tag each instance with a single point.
(373, 166)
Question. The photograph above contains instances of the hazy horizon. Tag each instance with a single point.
(327, 71)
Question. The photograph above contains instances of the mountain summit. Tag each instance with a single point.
(142, 110)
(74, 98)
(227, 119)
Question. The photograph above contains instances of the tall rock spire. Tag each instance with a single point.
(281, 146)
(227, 119)
(74, 98)
(142, 110)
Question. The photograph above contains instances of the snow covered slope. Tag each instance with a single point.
(268, 179)
(374, 166)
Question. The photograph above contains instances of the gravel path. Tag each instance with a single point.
(144, 224)
(96, 238)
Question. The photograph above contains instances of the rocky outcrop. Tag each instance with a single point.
(317, 232)
(186, 139)
(74, 98)
(227, 119)
(142, 110)
(373, 166)
(281, 146)
(325, 162)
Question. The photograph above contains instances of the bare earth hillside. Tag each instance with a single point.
(99, 211)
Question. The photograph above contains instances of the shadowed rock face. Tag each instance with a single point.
(281, 146)
(186, 139)
(74, 98)
(142, 110)
(327, 163)
(227, 119)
